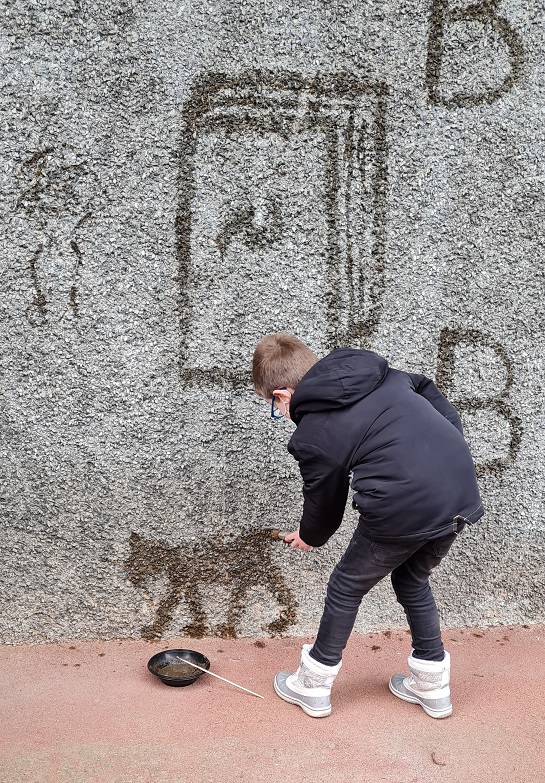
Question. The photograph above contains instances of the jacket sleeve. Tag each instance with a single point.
(427, 389)
(325, 489)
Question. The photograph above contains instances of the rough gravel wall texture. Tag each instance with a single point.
(179, 178)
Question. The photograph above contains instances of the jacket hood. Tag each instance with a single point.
(345, 376)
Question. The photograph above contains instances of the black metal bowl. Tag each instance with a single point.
(172, 667)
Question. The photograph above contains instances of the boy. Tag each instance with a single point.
(414, 486)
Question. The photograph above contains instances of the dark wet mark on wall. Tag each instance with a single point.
(56, 187)
(74, 246)
(74, 304)
(486, 15)
(258, 226)
(198, 377)
(499, 403)
(33, 170)
(36, 312)
(50, 182)
(237, 564)
(350, 116)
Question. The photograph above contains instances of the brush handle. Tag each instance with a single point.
(206, 671)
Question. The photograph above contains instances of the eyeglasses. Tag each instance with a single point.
(275, 412)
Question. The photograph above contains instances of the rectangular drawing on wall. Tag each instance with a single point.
(289, 174)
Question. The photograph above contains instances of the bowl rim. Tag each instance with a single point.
(186, 677)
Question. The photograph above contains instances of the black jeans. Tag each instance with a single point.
(362, 566)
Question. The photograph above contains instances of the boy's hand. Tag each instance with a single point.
(295, 542)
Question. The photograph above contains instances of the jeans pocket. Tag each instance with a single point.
(350, 548)
(391, 554)
(441, 546)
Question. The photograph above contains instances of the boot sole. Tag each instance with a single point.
(406, 696)
(314, 713)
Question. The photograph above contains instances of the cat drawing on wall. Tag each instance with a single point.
(237, 564)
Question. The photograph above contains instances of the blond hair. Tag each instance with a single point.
(280, 360)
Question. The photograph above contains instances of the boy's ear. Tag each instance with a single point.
(284, 394)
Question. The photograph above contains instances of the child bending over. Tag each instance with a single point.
(413, 483)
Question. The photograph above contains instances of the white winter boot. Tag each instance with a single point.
(309, 686)
(427, 685)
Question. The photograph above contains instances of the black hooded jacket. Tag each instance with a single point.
(399, 437)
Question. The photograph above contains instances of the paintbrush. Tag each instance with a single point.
(279, 535)
(206, 671)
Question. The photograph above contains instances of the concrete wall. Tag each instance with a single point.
(179, 178)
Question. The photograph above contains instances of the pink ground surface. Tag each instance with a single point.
(90, 712)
